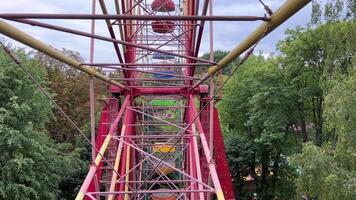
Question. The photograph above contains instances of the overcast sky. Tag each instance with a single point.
(226, 34)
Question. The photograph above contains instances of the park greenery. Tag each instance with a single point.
(35, 163)
(289, 120)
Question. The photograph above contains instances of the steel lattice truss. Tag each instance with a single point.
(159, 134)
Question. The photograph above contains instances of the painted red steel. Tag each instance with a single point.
(221, 160)
(219, 149)
(136, 177)
(156, 144)
(163, 5)
(109, 111)
(163, 26)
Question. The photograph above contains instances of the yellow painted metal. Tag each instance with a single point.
(80, 196)
(127, 177)
(163, 148)
(185, 8)
(94, 167)
(220, 195)
(30, 41)
(116, 165)
(102, 149)
(205, 146)
(164, 169)
(197, 161)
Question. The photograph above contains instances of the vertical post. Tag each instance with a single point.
(126, 154)
(91, 85)
(211, 92)
(91, 98)
(127, 169)
(191, 170)
(213, 173)
(197, 160)
(212, 80)
(92, 116)
(117, 161)
(92, 129)
(99, 157)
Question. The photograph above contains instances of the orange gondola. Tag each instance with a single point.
(163, 26)
(164, 195)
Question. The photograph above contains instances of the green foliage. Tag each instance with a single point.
(70, 88)
(313, 62)
(32, 166)
(321, 176)
(341, 117)
(257, 127)
(240, 154)
(271, 107)
(319, 64)
(331, 11)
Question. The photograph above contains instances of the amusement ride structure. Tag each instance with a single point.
(159, 133)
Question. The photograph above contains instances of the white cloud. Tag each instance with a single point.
(32, 6)
(226, 34)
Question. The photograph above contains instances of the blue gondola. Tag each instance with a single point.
(163, 76)
(160, 56)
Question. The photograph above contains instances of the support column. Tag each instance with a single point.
(99, 157)
(206, 151)
(211, 92)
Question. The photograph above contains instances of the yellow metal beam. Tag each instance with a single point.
(116, 165)
(127, 177)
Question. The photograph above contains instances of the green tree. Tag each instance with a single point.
(313, 61)
(272, 105)
(70, 88)
(341, 117)
(32, 166)
(257, 113)
(322, 176)
(319, 64)
(331, 11)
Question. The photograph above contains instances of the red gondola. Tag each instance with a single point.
(163, 6)
(163, 26)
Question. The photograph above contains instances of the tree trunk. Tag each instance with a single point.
(318, 119)
(302, 122)
(276, 161)
(264, 175)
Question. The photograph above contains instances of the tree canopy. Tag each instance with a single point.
(289, 119)
(33, 166)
